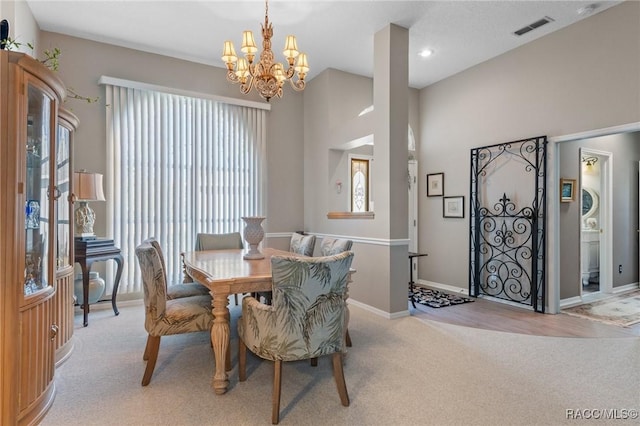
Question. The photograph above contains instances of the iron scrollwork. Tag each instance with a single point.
(507, 243)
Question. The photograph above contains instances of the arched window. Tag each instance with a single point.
(360, 184)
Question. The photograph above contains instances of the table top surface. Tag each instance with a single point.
(217, 266)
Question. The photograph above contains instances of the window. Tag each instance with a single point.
(360, 183)
(178, 165)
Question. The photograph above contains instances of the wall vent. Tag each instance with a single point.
(533, 26)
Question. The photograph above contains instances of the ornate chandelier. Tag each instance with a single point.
(266, 76)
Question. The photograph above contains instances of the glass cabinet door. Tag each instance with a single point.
(63, 179)
(37, 208)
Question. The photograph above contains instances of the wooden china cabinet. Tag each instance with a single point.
(64, 298)
(35, 261)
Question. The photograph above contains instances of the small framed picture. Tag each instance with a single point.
(453, 206)
(435, 184)
(567, 190)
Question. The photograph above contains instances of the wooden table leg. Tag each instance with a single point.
(220, 342)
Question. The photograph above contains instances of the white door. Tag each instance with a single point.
(599, 223)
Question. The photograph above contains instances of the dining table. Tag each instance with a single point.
(227, 272)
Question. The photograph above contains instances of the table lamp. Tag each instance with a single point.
(86, 187)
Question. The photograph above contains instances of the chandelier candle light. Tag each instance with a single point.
(266, 76)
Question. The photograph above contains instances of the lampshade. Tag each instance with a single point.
(229, 53)
(290, 47)
(302, 67)
(88, 186)
(248, 43)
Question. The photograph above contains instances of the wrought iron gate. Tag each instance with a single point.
(508, 222)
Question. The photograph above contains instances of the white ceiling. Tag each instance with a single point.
(334, 34)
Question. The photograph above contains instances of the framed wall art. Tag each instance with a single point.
(435, 184)
(567, 190)
(453, 206)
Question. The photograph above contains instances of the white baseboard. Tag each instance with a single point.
(572, 301)
(623, 288)
(578, 300)
(377, 311)
(106, 304)
(444, 287)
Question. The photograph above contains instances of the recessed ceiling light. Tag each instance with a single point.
(426, 53)
(587, 10)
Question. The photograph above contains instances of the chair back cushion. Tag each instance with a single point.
(331, 246)
(307, 318)
(302, 244)
(153, 283)
(231, 240)
(156, 245)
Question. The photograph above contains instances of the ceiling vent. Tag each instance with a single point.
(533, 26)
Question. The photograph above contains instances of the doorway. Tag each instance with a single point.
(618, 265)
(595, 208)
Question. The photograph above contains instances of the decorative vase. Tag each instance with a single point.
(96, 288)
(253, 234)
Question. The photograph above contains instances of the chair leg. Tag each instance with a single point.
(235, 297)
(153, 344)
(338, 374)
(277, 381)
(313, 362)
(147, 348)
(348, 339)
(242, 361)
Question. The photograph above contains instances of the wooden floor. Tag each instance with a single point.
(498, 316)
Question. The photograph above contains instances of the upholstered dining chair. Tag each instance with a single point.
(305, 321)
(164, 317)
(231, 240)
(177, 290)
(302, 244)
(330, 246)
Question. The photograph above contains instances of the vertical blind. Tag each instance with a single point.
(178, 165)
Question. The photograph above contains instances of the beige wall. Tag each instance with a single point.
(585, 76)
(331, 119)
(83, 62)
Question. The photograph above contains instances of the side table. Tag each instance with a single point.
(96, 250)
(412, 256)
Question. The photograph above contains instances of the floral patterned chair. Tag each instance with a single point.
(330, 246)
(306, 320)
(302, 244)
(165, 317)
(176, 291)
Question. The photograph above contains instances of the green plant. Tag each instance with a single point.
(52, 61)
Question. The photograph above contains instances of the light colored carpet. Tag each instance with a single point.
(399, 372)
(622, 310)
